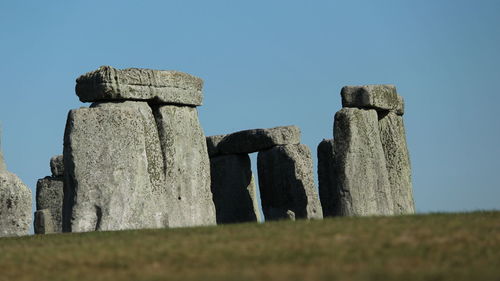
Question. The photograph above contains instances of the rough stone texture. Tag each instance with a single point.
(15, 205)
(286, 183)
(49, 196)
(249, 141)
(159, 86)
(233, 189)
(393, 138)
(57, 166)
(327, 178)
(362, 178)
(213, 143)
(379, 97)
(44, 222)
(112, 169)
(3, 167)
(187, 166)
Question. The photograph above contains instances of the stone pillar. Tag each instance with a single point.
(138, 157)
(49, 197)
(15, 204)
(362, 178)
(286, 183)
(327, 177)
(107, 169)
(44, 222)
(233, 189)
(187, 166)
(393, 137)
(390, 108)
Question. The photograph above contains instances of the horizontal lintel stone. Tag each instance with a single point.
(378, 97)
(156, 86)
(249, 141)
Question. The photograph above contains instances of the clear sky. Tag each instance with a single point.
(271, 63)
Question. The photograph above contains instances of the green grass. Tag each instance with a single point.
(422, 247)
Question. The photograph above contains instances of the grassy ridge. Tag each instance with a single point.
(422, 247)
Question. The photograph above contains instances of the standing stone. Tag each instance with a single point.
(393, 137)
(44, 223)
(249, 141)
(286, 183)
(213, 145)
(187, 166)
(15, 205)
(3, 167)
(378, 97)
(57, 166)
(362, 178)
(111, 169)
(327, 178)
(233, 189)
(158, 86)
(49, 197)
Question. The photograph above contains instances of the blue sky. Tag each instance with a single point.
(271, 63)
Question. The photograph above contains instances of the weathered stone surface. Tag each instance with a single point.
(254, 140)
(379, 97)
(3, 167)
(362, 178)
(327, 178)
(393, 138)
(44, 222)
(158, 86)
(112, 169)
(49, 195)
(15, 205)
(57, 166)
(233, 189)
(187, 166)
(213, 145)
(286, 183)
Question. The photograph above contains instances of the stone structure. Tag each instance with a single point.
(368, 172)
(286, 183)
(233, 189)
(285, 174)
(327, 176)
(379, 97)
(255, 140)
(44, 222)
(393, 137)
(49, 199)
(15, 203)
(159, 87)
(137, 158)
(362, 178)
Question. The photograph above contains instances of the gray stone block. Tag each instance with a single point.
(255, 140)
(393, 138)
(362, 178)
(286, 183)
(213, 145)
(187, 166)
(156, 86)
(112, 171)
(233, 189)
(3, 167)
(327, 178)
(44, 222)
(379, 97)
(49, 196)
(57, 166)
(15, 206)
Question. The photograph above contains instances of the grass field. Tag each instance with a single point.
(422, 247)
